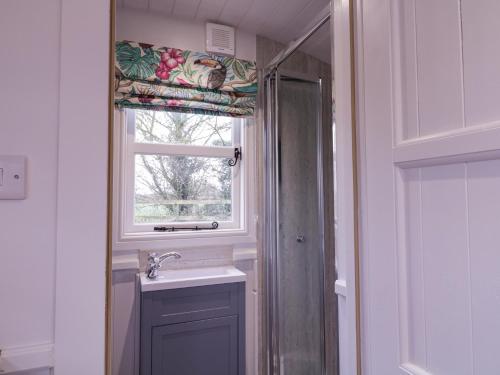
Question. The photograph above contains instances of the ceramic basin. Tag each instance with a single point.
(185, 278)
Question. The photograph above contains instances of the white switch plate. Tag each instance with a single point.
(12, 177)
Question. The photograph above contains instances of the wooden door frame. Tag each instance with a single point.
(347, 65)
(83, 146)
(109, 252)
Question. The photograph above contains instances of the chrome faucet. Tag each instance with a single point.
(155, 261)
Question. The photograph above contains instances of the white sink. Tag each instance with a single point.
(185, 278)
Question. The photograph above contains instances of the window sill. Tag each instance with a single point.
(153, 241)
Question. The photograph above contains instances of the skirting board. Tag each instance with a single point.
(25, 358)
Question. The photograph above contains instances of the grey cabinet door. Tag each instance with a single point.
(204, 347)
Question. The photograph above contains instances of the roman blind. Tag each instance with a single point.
(170, 79)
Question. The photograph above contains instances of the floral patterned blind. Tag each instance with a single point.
(170, 79)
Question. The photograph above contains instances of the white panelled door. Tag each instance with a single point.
(429, 155)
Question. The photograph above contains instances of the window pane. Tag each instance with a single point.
(182, 188)
(182, 128)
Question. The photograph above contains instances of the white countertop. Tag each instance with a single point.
(185, 278)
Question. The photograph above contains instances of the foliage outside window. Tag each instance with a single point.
(180, 169)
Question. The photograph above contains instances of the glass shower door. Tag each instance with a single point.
(298, 251)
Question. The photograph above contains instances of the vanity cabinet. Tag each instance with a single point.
(193, 331)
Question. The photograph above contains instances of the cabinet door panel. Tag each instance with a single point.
(189, 304)
(205, 347)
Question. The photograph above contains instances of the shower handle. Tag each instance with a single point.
(301, 238)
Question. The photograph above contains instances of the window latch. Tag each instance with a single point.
(237, 155)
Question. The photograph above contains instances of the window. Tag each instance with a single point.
(175, 172)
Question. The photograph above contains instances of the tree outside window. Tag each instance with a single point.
(182, 188)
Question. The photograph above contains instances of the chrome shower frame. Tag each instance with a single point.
(272, 75)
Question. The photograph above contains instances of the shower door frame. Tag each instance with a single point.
(271, 241)
(271, 74)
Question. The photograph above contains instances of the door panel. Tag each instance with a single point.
(205, 347)
(437, 35)
(445, 266)
(300, 263)
(448, 58)
(484, 240)
(429, 144)
(437, 293)
(480, 29)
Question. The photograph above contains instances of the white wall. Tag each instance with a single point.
(29, 102)
(53, 244)
(140, 26)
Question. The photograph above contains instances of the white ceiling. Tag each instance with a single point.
(281, 20)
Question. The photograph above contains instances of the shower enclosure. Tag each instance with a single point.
(301, 309)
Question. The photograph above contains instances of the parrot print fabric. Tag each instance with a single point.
(170, 79)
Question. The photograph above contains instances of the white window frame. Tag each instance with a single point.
(130, 236)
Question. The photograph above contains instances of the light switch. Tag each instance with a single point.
(12, 177)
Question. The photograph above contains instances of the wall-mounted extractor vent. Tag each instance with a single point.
(220, 39)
